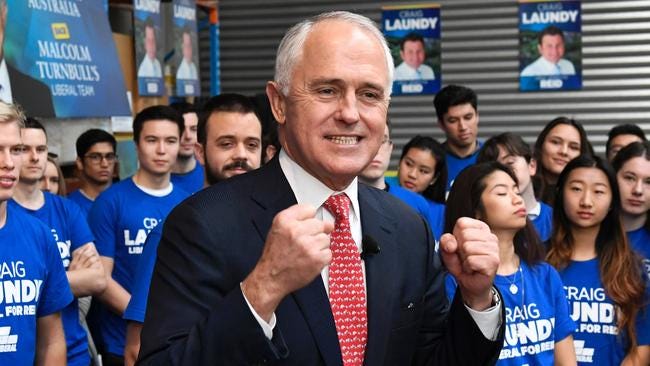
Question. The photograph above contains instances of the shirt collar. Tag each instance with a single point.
(534, 213)
(311, 191)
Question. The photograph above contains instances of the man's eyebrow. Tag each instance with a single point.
(336, 81)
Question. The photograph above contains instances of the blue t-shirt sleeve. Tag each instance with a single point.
(55, 290)
(101, 219)
(80, 231)
(136, 309)
(450, 287)
(564, 325)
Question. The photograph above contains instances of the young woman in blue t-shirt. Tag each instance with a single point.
(632, 166)
(422, 168)
(538, 326)
(603, 277)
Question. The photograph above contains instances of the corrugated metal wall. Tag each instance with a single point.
(479, 50)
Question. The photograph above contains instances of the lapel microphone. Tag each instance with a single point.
(369, 247)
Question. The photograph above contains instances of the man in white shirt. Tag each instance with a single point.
(252, 263)
(187, 69)
(150, 66)
(413, 55)
(551, 50)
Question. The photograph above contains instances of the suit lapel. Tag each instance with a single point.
(273, 195)
(376, 224)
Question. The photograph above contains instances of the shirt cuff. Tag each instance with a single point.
(267, 328)
(489, 320)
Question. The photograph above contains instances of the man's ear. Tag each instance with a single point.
(199, 153)
(78, 164)
(277, 101)
(269, 152)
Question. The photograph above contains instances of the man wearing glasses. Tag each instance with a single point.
(96, 165)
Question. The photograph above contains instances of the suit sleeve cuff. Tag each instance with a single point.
(489, 320)
(267, 328)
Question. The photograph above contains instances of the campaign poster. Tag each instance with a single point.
(550, 45)
(413, 35)
(61, 59)
(148, 47)
(186, 48)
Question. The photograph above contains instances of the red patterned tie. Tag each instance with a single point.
(347, 293)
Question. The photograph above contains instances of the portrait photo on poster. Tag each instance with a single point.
(413, 35)
(550, 45)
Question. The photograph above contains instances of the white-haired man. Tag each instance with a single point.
(297, 264)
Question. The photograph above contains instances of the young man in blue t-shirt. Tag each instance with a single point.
(457, 112)
(95, 162)
(511, 150)
(70, 230)
(187, 173)
(34, 284)
(123, 215)
(228, 132)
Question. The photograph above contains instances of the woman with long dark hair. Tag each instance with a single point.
(603, 277)
(632, 166)
(538, 326)
(561, 140)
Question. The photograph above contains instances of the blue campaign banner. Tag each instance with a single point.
(148, 54)
(550, 45)
(413, 35)
(61, 59)
(186, 48)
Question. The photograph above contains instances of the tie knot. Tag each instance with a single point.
(339, 206)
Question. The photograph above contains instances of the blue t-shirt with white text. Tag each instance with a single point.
(33, 285)
(596, 339)
(121, 218)
(137, 307)
(537, 314)
(70, 229)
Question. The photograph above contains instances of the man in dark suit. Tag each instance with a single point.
(246, 274)
(33, 96)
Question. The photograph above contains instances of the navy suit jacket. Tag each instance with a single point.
(31, 94)
(197, 315)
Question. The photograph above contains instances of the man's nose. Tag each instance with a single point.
(348, 111)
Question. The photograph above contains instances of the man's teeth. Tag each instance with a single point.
(344, 140)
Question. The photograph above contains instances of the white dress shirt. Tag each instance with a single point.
(150, 68)
(311, 191)
(406, 72)
(542, 67)
(5, 85)
(187, 71)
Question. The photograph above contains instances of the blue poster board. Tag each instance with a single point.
(148, 51)
(550, 45)
(186, 60)
(413, 35)
(215, 65)
(62, 60)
